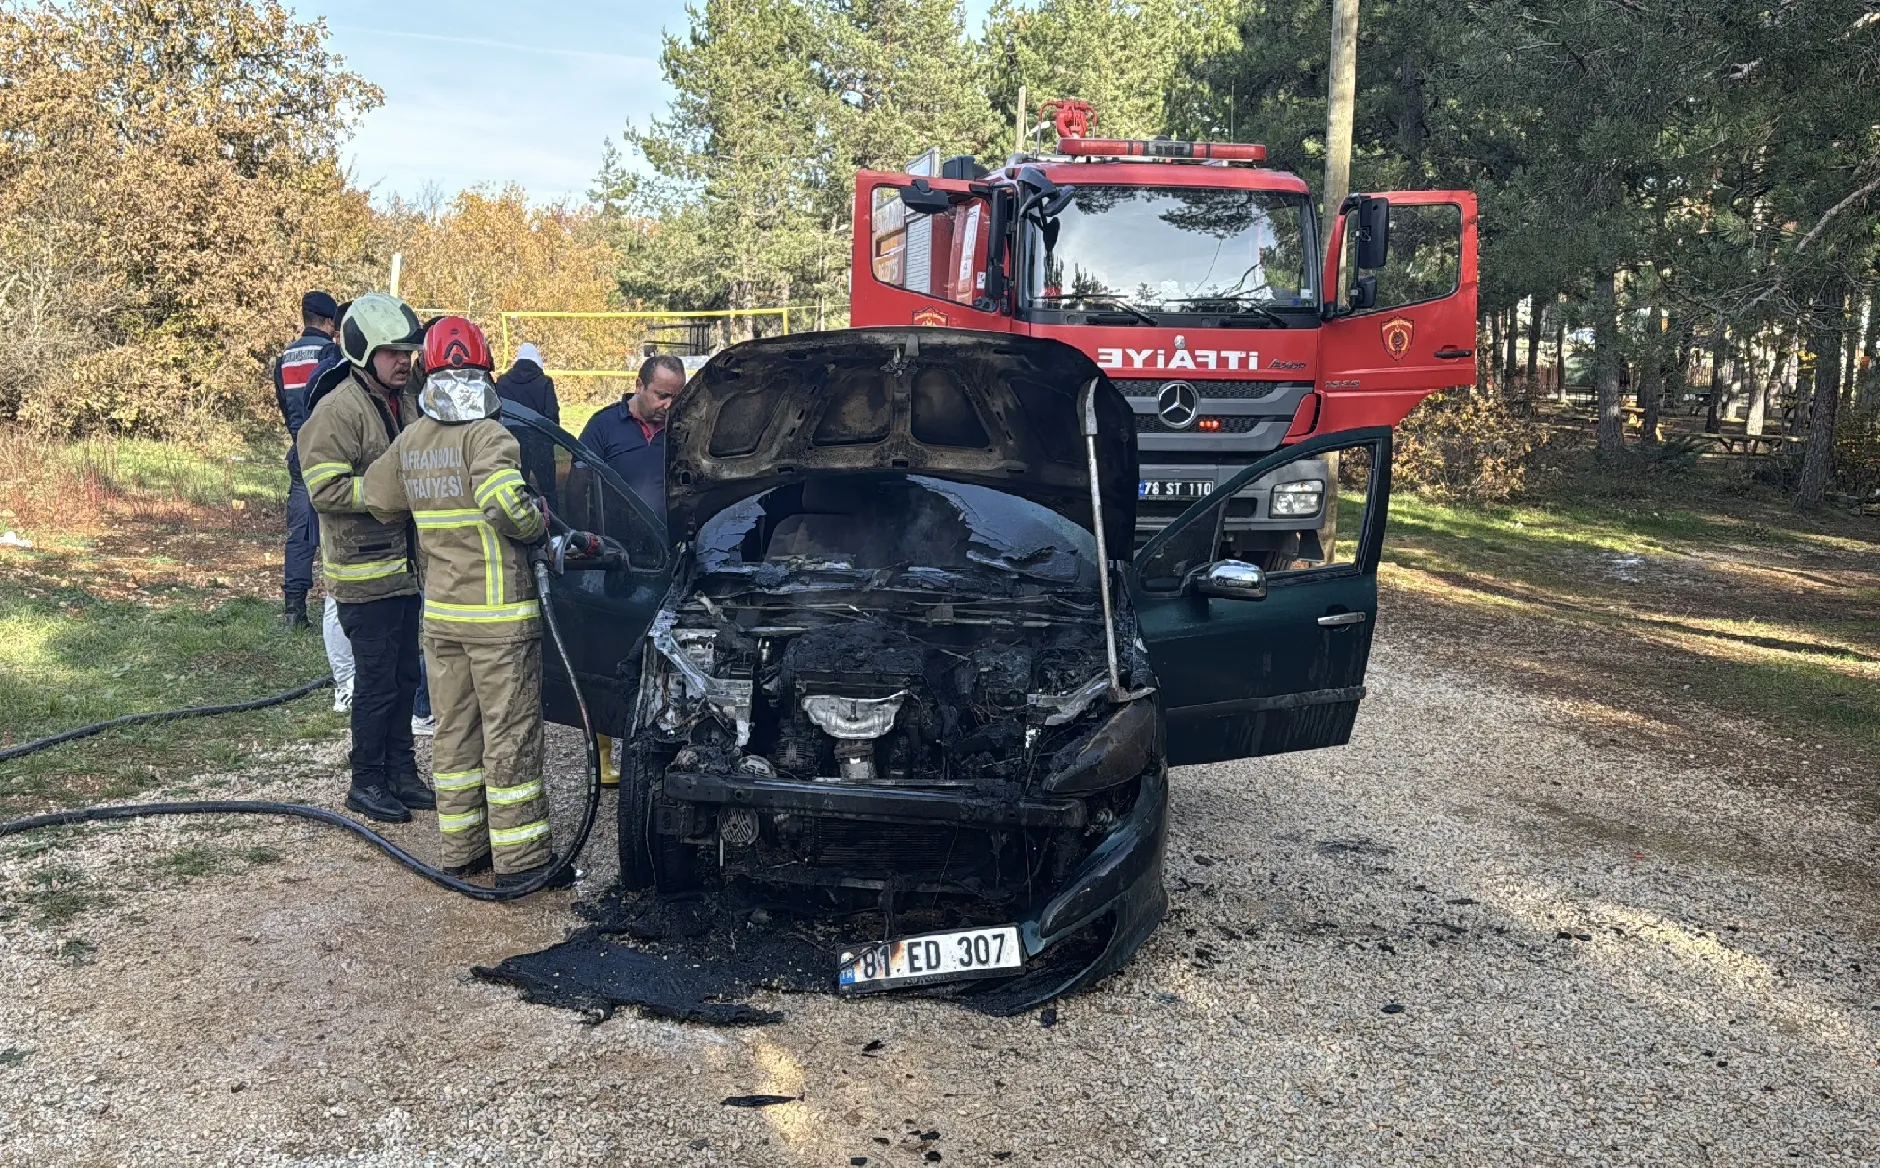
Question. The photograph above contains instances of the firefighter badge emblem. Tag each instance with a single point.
(1397, 332)
(931, 318)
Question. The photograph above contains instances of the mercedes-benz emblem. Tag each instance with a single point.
(1178, 405)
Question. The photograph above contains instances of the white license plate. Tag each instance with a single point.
(1173, 488)
(931, 957)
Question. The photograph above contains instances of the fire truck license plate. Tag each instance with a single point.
(1189, 489)
(933, 957)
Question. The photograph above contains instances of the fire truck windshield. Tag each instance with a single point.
(1172, 249)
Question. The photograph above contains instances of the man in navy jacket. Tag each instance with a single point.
(631, 435)
(293, 373)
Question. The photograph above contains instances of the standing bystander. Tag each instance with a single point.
(631, 438)
(293, 375)
(526, 384)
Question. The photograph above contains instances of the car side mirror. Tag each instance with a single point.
(1373, 233)
(923, 199)
(1228, 580)
(1363, 294)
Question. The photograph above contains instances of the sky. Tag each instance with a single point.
(483, 92)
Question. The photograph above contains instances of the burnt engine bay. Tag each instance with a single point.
(883, 688)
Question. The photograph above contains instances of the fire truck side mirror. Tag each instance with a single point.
(1363, 294)
(924, 200)
(1373, 233)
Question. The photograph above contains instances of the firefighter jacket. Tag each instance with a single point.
(349, 426)
(461, 483)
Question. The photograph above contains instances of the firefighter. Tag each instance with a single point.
(293, 372)
(355, 415)
(457, 472)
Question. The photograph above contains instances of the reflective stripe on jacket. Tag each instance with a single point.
(462, 485)
(293, 376)
(362, 557)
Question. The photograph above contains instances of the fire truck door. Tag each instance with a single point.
(918, 268)
(1418, 336)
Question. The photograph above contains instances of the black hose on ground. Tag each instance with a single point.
(10, 753)
(320, 814)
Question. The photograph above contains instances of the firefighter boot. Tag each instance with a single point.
(370, 798)
(475, 867)
(518, 879)
(294, 611)
(610, 771)
(412, 791)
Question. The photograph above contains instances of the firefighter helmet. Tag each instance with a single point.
(378, 321)
(451, 342)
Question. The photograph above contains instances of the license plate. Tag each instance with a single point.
(1174, 488)
(932, 957)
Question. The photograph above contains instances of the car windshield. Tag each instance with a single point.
(1172, 249)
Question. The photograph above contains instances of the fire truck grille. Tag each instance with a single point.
(1150, 424)
(1218, 390)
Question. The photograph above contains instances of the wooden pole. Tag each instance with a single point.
(1341, 103)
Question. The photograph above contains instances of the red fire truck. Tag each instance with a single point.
(1204, 284)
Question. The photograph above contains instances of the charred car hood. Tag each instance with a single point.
(984, 408)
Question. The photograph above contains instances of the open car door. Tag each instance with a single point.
(603, 611)
(922, 267)
(1255, 662)
(1417, 336)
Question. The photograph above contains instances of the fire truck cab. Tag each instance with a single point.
(1206, 286)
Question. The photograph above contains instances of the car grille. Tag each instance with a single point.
(916, 851)
(1219, 390)
(1151, 424)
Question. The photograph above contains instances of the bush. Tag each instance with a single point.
(1467, 445)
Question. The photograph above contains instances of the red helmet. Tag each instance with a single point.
(454, 343)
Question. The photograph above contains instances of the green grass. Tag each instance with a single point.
(1745, 607)
(214, 476)
(575, 415)
(68, 659)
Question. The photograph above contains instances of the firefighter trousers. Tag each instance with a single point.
(486, 757)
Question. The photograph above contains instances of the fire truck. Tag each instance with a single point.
(1207, 286)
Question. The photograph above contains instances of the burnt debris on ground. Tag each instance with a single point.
(700, 959)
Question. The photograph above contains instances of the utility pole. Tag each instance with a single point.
(1341, 101)
(1020, 123)
(398, 268)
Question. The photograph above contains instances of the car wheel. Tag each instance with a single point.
(638, 776)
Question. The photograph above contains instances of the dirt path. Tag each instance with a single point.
(1599, 957)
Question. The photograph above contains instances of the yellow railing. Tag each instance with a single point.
(718, 314)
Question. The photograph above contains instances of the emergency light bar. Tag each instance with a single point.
(1162, 148)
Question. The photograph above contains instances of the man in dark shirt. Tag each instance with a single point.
(293, 373)
(631, 436)
(526, 384)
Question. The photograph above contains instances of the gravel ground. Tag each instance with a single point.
(1486, 932)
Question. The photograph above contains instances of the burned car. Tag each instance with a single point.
(891, 645)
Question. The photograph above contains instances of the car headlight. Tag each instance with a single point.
(1301, 498)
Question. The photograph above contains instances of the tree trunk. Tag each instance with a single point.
(1534, 346)
(1507, 364)
(1560, 352)
(1764, 390)
(1651, 377)
(1719, 345)
(1609, 432)
(1850, 342)
(1493, 364)
(1818, 463)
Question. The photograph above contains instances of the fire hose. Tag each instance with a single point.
(561, 864)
